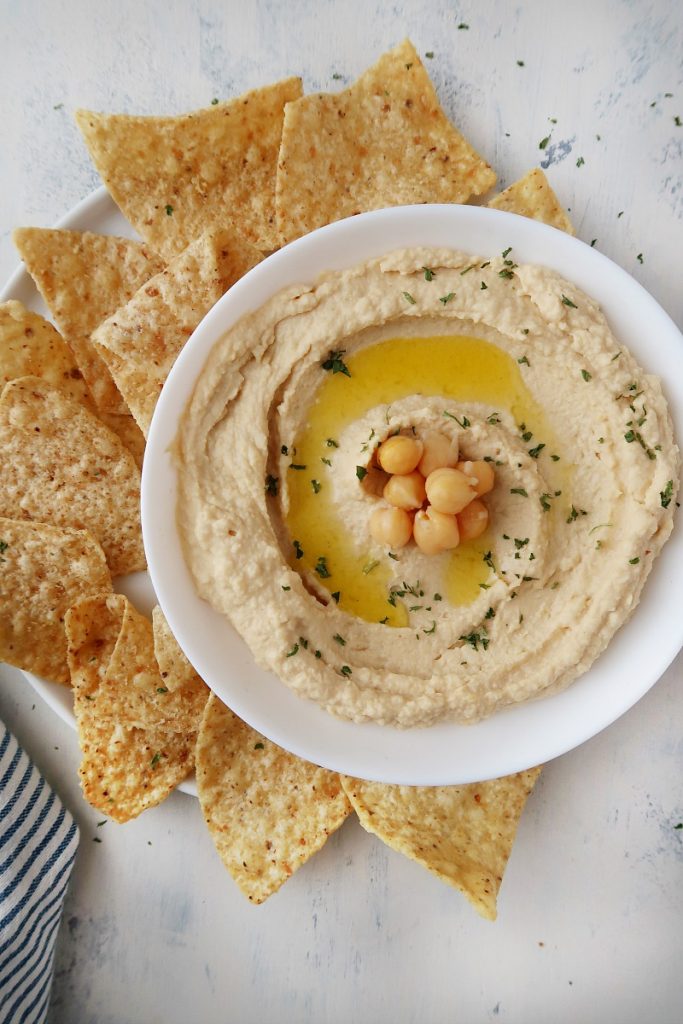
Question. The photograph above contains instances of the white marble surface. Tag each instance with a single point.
(589, 914)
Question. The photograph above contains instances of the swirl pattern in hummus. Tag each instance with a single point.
(518, 365)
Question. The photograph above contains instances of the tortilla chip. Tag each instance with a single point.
(135, 748)
(146, 335)
(267, 811)
(462, 834)
(83, 279)
(31, 347)
(43, 571)
(533, 197)
(174, 177)
(384, 141)
(175, 669)
(63, 466)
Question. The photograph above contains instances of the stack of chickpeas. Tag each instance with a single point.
(431, 496)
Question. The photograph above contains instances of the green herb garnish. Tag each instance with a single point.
(321, 568)
(409, 298)
(586, 375)
(294, 650)
(568, 302)
(520, 491)
(335, 363)
(298, 549)
(447, 298)
(361, 472)
(665, 497)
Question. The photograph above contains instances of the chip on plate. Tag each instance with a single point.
(462, 834)
(174, 177)
(384, 141)
(533, 197)
(146, 335)
(267, 810)
(43, 571)
(30, 346)
(137, 737)
(62, 466)
(83, 278)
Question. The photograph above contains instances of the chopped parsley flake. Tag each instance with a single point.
(294, 650)
(345, 670)
(545, 502)
(483, 286)
(580, 162)
(633, 561)
(259, 746)
(335, 597)
(535, 452)
(328, 462)
(432, 630)
(331, 443)
(429, 274)
(639, 257)
(447, 298)
(490, 614)
(169, 209)
(214, 101)
(464, 422)
(336, 76)
(467, 269)
(568, 302)
(298, 549)
(409, 298)
(155, 760)
(524, 361)
(335, 363)
(340, 639)
(593, 243)
(477, 638)
(544, 142)
(438, 597)
(488, 559)
(316, 485)
(321, 568)
(520, 63)
(463, 26)
(284, 587)
(586, 375)
(429, 54)
(665, 497)
(493, 419)
(520, 491)
(295, 465)
(361, 472)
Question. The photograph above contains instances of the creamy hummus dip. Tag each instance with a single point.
(516, 366)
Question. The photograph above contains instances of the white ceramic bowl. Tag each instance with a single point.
(512, 739)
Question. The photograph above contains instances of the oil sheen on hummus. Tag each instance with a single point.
(516, 365)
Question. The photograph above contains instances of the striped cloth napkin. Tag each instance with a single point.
(38, 840)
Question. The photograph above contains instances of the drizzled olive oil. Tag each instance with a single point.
(457, 367)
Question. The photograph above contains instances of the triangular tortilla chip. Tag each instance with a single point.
(43, 571)
(63, 466)
(175, 669)
(384, 141)
(462, 834)
(267, 810)
(146, 335)
(174, 177)
(134, 752)
(31, 346)
(83, 279)
(533, 197)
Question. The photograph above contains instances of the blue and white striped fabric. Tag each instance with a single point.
(38, 840)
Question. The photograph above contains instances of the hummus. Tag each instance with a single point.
(519, 368)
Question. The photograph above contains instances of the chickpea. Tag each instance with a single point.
(391, 526)
(399, 454)
(435, 531)
(405, 491)
(482, 473)
(473, 520)
(439, 451)
(449, 490)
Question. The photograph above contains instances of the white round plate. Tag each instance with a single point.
(97, 213)
(512, 739)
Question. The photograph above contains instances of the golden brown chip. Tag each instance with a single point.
(83, 278)
(384, 141)
(533, 197)
(61, 465)
(174, 177)
(134, 751)
(462, 834)
(146, 335)
(128, 431)
(43, 571)
(31, 347)
(267, 810)
(175, 669)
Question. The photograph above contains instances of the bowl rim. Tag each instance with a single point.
(516, 737)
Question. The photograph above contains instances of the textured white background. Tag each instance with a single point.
(590, 911)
